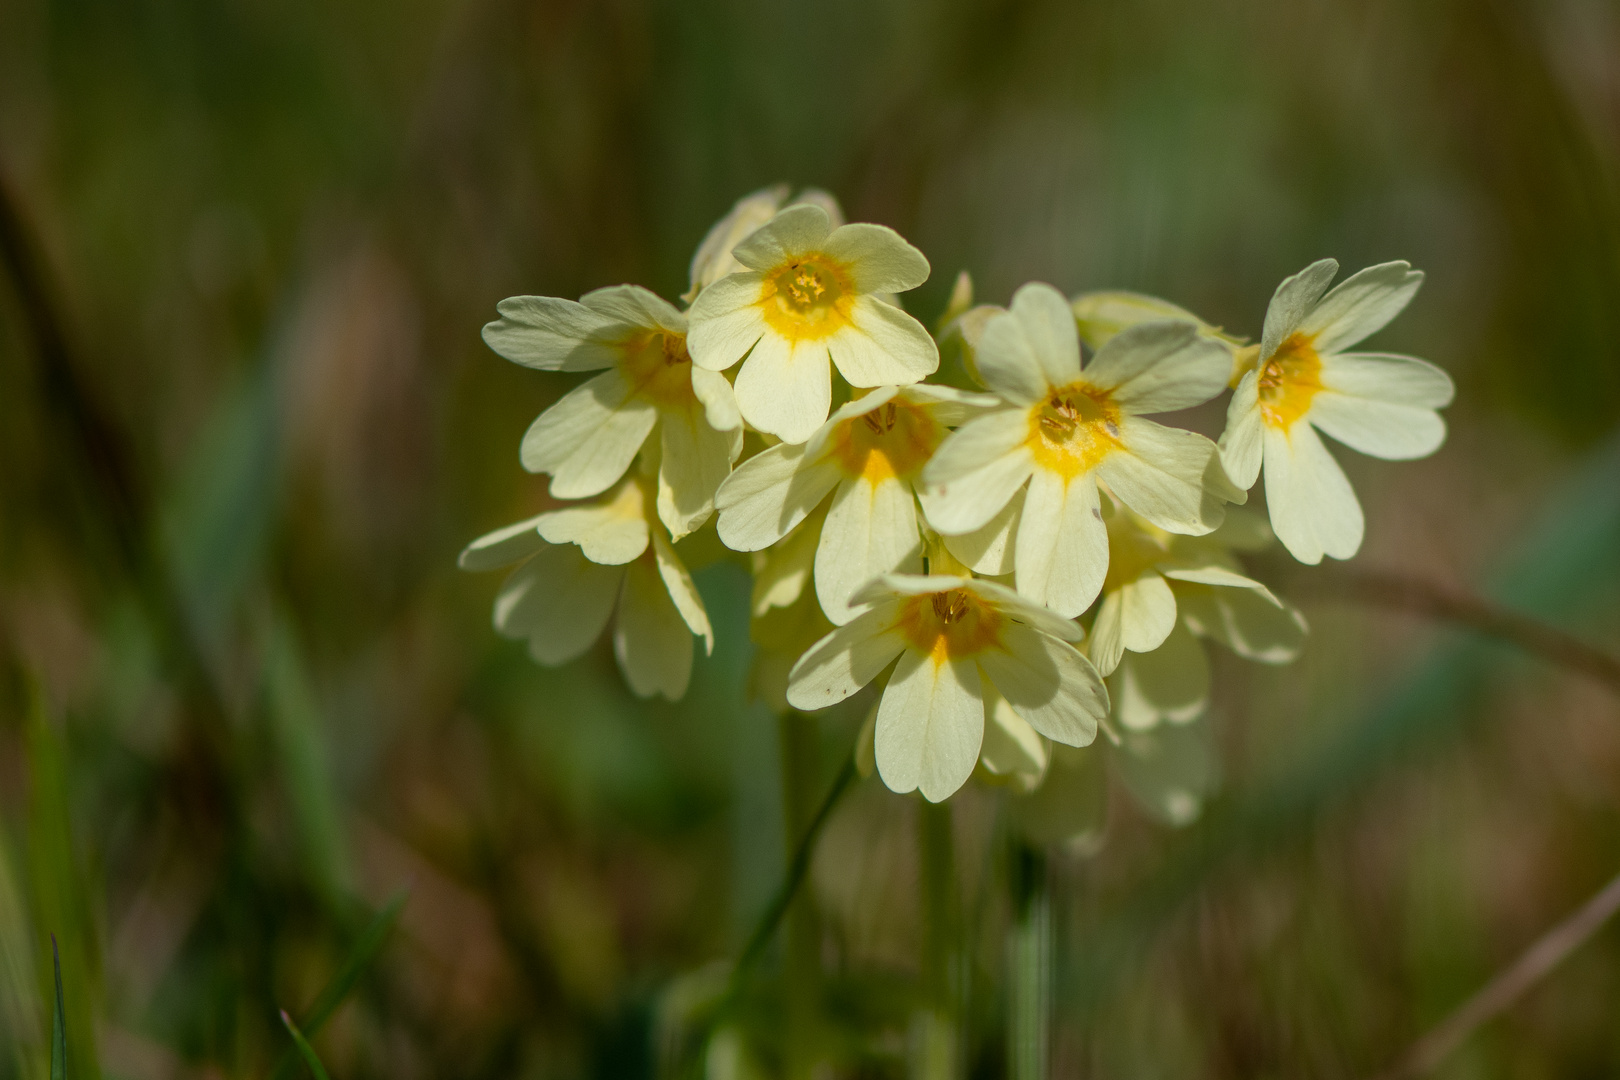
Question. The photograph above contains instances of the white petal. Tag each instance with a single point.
(1159, 367)
(845, 660)
(1400, 380)
(719, 401)
(1170, 683)
(553, 334)
(877, 257)
(1106, 644)
(1378, 428)
(1361, 305)
(1149, 612)
(871, 530)
(1170, 771)
(682, 592)
(1062, 545)
(1006, 361)
(1171, 477)
(948, 405)
(787, 569)
(975, 471)
(785, 388)
(611, 533)
(1243, 440)
(929, 726)
(713, 260)
(559, 600)
(650, 639)
(988, 549)
(793, 231)
(636, 306)
(502, 547)
(696, 460)
(589, 437)
(882, 344)
(1292, 302)
(1023, 609)
(725, 321)
(1251, 622)
(1048, 683)
(1314, 511)
(1011, 746)
(769, 494)
(1044, 315)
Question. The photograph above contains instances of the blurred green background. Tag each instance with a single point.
(245, 695)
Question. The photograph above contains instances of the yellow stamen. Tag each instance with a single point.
(896, 439)
(1073, 429)
(808, 298)
(1289, 380)
(950, 625)
(657, 367)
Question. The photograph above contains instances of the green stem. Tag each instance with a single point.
(1030, 965)
(801, 983)
(935, 1053)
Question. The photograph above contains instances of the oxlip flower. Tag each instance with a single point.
(1017, 488)
(581, 565)
(868, 457)
(806, 299)
(1301, 380)
(959, 642)
(588, 439)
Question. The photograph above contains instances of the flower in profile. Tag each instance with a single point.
(959, 642)
(868, 457)
(712, 260)
(588, 439)
(1300, 380)
(1017, 489)
(581, 565)
(1101, 315)
(808, 296)
(1162, 594)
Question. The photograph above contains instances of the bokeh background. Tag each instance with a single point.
(245, 695)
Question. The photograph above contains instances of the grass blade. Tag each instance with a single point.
(304, 1049)
(58, 1020)
(354, 965)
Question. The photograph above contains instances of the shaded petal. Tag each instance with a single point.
(786, 570)
(1292, 302)
(1251, 622)
(871, 530)
(725, 321)
(650, 639)
(1314, 511)
(1243, 440)
(611, 533)
(845, 660)
(1170, 683)
(502, 547)
(682, 592)
(553, 334)
(1361, 305)
(792, 232)
(1023, 609)
(1011, 747)
(882, 345)
(784, 388)
(1171, 477)
(1170, 771)
(877, 257)
(587, 439)
(1071, 805)
(719, 402)
(1161, 366)
(989, 548)
(1101, 315)
(769, 494)
(1048, 683)
(948, 405)
(929, 727)
(636, 306)
(1062, 545)
(559, 600)
(696, 461)
(976, 471)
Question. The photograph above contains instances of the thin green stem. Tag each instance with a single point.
(1029, 964)
(801, 984)
(935, 1051)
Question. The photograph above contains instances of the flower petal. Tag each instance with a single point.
(785, 388)
(650, 639)
(792, 232)
(1171, 477)
(988, 549)
(559, 600)
(712, 260)
(1062, 545)
(1050, 331)
(1361, 305)
(1007, 363)
(1170, 771)
(877, 257)
(769, 494)
(1171, 683)
(636, 306)
(882, 345)
(1101, 315)
(1251, 622)
(1400, 380)
(871, 530)
(948, 405)
(780, 578)
(502, 547)
(1160, 366)
(976, 471)
(725, 321)
(1011, 747)
(1382, 405)
(587, 439)
(611, 533)
(696, 460)
(682, 592)
(1048, 683)
(553, 334)
(1023, 609)
(1314, 511)
(845, 660)
(1244, 438)
(929, 726)
(1293, 302)
(719, 401)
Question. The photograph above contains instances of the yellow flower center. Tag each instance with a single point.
(1288, 382)
(658, 368)
(808, 298)
(896, 439)
(950, 624)
(1073, 429)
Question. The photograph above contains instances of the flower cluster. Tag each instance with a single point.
(1021, 561)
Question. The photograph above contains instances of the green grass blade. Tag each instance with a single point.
(58, 1020)
(306, 1051)
(360, 957)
